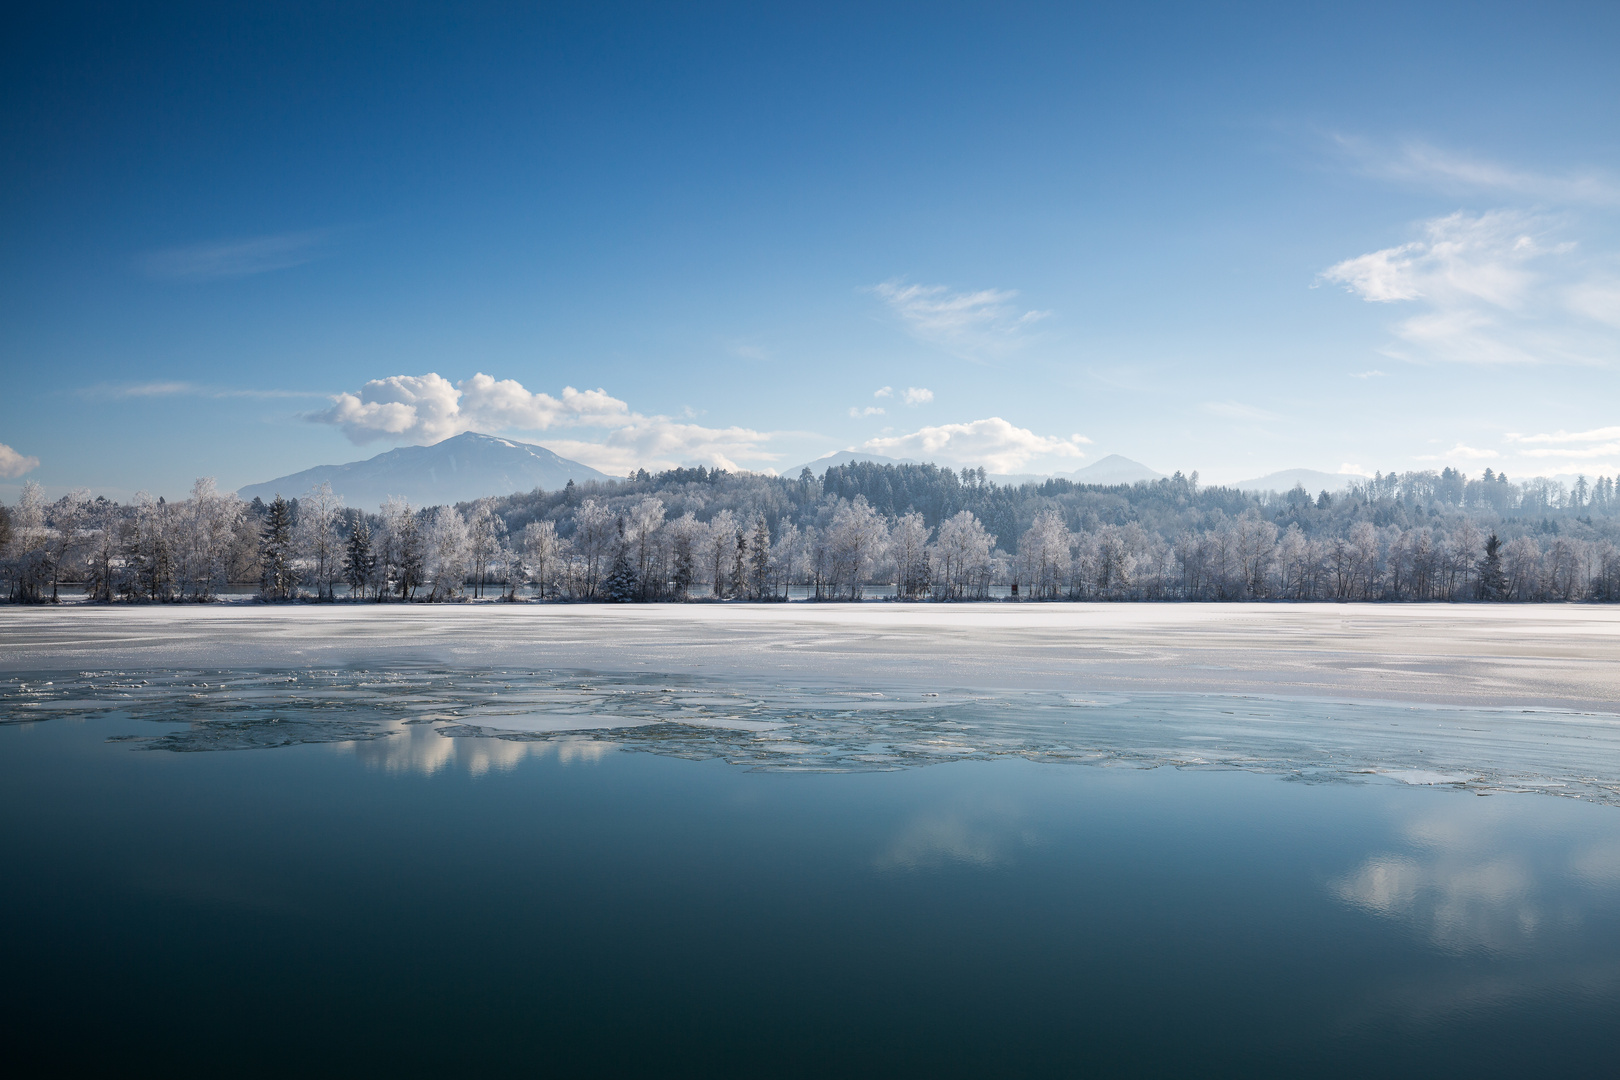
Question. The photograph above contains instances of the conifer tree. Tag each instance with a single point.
(358, 560)
(1492, 582)
(739, 566)
(759, 568)
(276, 552)
(620, 585)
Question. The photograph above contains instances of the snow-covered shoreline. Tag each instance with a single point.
(1561, 656)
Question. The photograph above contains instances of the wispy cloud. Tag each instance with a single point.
(425, 409)
(1423, 164)
(1601, 442)
(1499, 287)
(1373, 374)
(188, 389)
(883, 392)
(980, 325)
(993, 442)
(236, 258)
(859, 412)
(918, 395)
(1602, 434)
(14, 464)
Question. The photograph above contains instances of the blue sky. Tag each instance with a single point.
(1226, 238)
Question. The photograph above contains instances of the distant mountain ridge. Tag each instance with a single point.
(459, 469)
(843, 457)
(1310, 479)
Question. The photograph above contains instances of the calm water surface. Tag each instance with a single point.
(420, 904)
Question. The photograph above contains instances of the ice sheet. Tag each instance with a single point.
(1500, 654)
(780, 724)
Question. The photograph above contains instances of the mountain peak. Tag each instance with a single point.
(458, 469)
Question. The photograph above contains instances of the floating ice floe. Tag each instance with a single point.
(778, 726)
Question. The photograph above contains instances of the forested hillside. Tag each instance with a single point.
(859, 529)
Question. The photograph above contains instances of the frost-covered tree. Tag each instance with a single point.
(66, 536)
(594, 535)
(787, 559)
(643, 532)
(1043, 554)
(29, 552)
(856, 539)
(544, 552)
(1521, 563)
(908, 547)
(687, 537)
(962, 558)
(1256, 552)
(483, 540)
(317, 539)
(721, 550)
(448, 551)
(402, 553)
(1299, 563)
(204, 538)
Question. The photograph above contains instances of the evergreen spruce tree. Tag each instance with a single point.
(739, 567)
(1492, 582)
(620, 585)
(759, 569)
(359, 562)
(276, 552)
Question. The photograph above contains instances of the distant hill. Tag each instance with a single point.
(1114, 469)
(843, 457)
(1312, 480)
(459, 469)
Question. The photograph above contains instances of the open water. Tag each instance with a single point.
(416, 872)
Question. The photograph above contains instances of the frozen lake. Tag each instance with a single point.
(1158, 840)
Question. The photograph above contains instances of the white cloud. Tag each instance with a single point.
(1601, 442)
(658, 442)
(1598, 300)
(886, 391)
(429, 408)
(1420, 163)
(1496, 288)
(1602, 450)
(1347, 469)
(13, 464)
(236, 258)
(1373, 374)
(994, 443)
(973, 325)
(918, 395)
(1237, 410)
(1595, 435)
(871, 410)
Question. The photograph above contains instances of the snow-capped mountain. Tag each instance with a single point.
(459, 469)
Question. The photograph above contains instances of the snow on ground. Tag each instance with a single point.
(1519, 655)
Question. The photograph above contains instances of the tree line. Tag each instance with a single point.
(912, 531)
